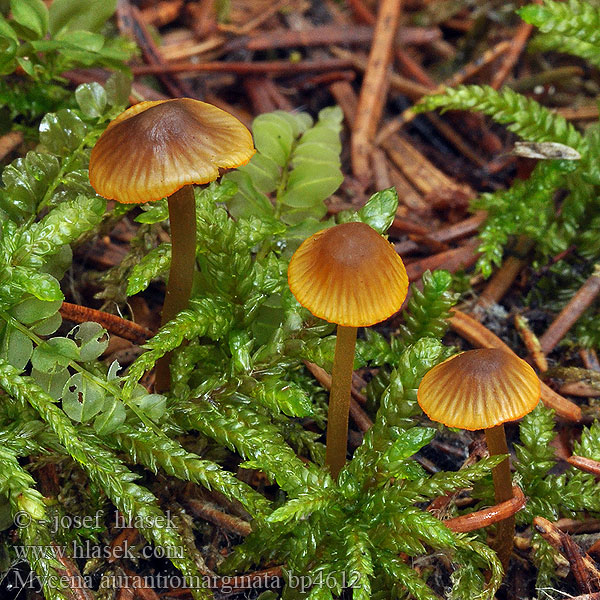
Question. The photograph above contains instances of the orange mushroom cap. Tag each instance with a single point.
(349, 275)
(479, 389)
(155, 148)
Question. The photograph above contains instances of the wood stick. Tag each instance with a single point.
(459, 77)
(478, 335)
(571, 312)
(590, 359)
(512, 55)
(219, 518)
(77, 587)
(445, 234)
(115, 325)
(532, 343)
(251, 25)
(451, 260)
(374, 89)
(398, 83)
(583, 113)
(504, 277)
(361, 12)
(585, 464)
(10, 141)
(276, 67)
(325, 35)
(131, 23)
(162, 13)
(582, 565)
(488, 516)
(421, 173)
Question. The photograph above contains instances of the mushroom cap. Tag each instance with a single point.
(155, 148)
(479, 389)
(349, 275)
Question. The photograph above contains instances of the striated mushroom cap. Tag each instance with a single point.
(349, 275)
(155, 148)
(479, 389)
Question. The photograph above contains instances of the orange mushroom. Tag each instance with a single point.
(483, 389)
(348, 275)
(158, 149)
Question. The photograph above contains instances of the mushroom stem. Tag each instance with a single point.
(182, 217)
(496, 443)
(339, 399)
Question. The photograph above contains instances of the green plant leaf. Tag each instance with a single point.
(91, 99)
(111, 418)
(379, 212)
(118, 88)
(284, 396)
(62, 132)
(155, 212)
(15, 347)
(154, 264)
(9, 42)
(89, 15)
(82, 398)
(92, 338)
(32, 16)
(52, 382)
(55, 354)
(264, 173)
(153, 405)
(26, 181)
(309, 184)
(248, 200)
(31, 309)
(273, 136)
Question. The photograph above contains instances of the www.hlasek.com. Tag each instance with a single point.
(88, 550)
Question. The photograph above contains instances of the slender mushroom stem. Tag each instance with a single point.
(339, 399)
(182, 217)
(496, 442)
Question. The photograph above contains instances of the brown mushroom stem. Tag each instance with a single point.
(496, 443)
(182, 217)
(339, 399)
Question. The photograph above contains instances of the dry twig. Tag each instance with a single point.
(374, 88)
(582, 565)
(571, 312)
(488, 516)
(127, 330)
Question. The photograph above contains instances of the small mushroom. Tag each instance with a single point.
(483, 389)
(158, 149)
(348, 275)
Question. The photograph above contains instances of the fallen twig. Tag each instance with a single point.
(582, 565)
(512, 55)
(279, 67)
(219, 518)
(115, 325)
(462, 257)
(503, 278)
(10, 141)
(374, 88)
(532, 343)
(488, 516)
(571, 312)
(466, 72)
(585, 464)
